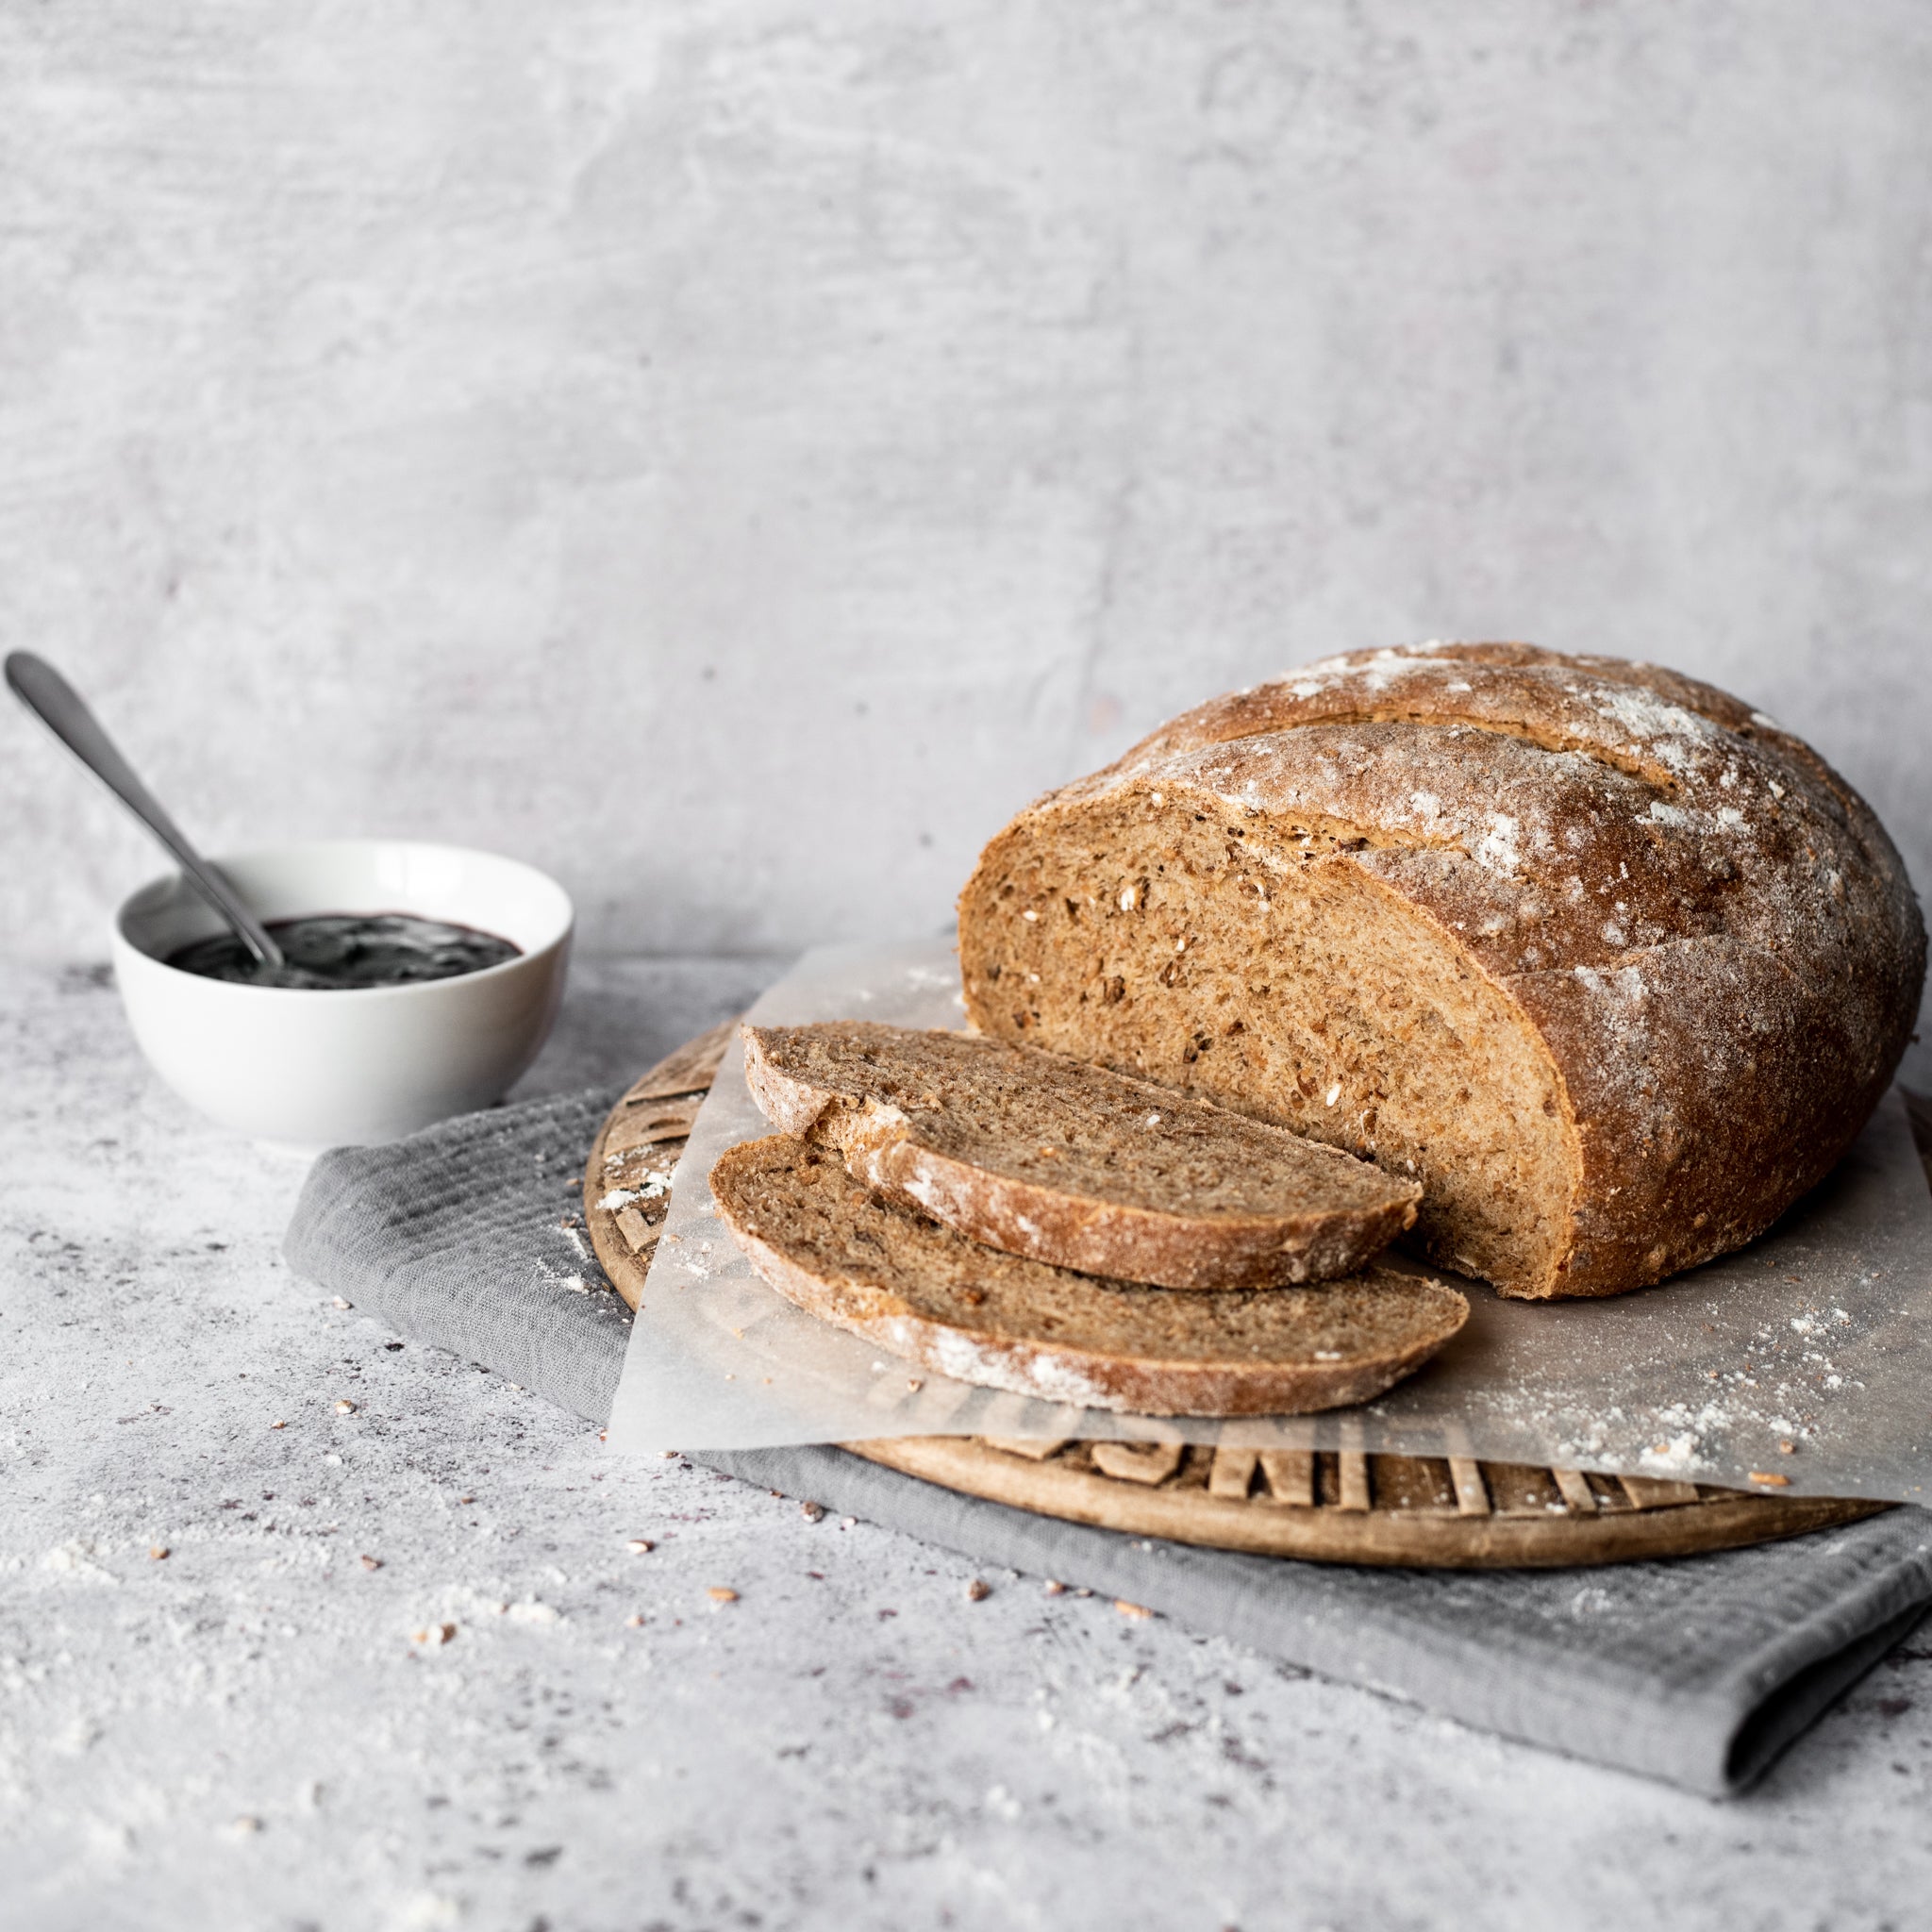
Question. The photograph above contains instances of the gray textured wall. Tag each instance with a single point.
(733, 455)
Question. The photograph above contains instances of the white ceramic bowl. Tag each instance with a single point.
(314, 1069)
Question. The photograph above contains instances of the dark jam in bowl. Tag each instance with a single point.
(336, 952)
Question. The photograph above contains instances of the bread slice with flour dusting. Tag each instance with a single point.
(884, 1270)
(1064, 1162)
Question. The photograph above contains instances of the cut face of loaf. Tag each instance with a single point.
(1611, 964)
(1039, 1155)
(888, 1272)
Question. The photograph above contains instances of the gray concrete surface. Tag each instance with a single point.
(734, 452)
(243, 1733)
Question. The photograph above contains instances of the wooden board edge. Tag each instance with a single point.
(1332, 1536)
(689, 1069)
(619, 1266)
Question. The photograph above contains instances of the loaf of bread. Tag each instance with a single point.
(888, 1272)
(1039, 1155)
(1609, 962)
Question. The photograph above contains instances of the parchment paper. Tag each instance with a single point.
(1820, 1334)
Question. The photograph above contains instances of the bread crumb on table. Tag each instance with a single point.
(978, 1590)
(722, 1593)
(641, 1546)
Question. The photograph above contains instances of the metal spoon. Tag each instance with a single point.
(59, 708)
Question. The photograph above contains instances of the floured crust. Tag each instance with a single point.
(1065, 1162)
(884, 1270)
(1703, 932)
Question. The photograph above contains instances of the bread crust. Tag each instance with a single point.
(896, 1152)
(1706, 930)
(822, 1240)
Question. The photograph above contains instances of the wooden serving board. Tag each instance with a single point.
(1321, 1506)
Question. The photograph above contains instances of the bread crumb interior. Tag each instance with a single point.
(1242, 957)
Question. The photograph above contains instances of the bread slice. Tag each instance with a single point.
(886, 1271)
(1047, 1156)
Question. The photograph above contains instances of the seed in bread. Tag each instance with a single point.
(888, 1272)
(1612, 964)
(1043, 1155)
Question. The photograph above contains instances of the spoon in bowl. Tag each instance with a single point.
(60, 709)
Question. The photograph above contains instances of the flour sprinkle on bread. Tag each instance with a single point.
(888, 1272)
(1609, 962)
(1051, 1157)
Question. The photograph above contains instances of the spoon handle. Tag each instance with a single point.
(60, 709)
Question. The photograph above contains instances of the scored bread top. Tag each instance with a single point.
(883, 1270)
(1044, 1156)
(1701, 816)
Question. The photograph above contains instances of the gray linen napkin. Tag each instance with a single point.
(1698, 1670)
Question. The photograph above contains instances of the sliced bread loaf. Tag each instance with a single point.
(1609, 962)
(886, 1271)
(1048, 1156)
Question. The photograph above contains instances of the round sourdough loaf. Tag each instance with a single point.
(1609, 962)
